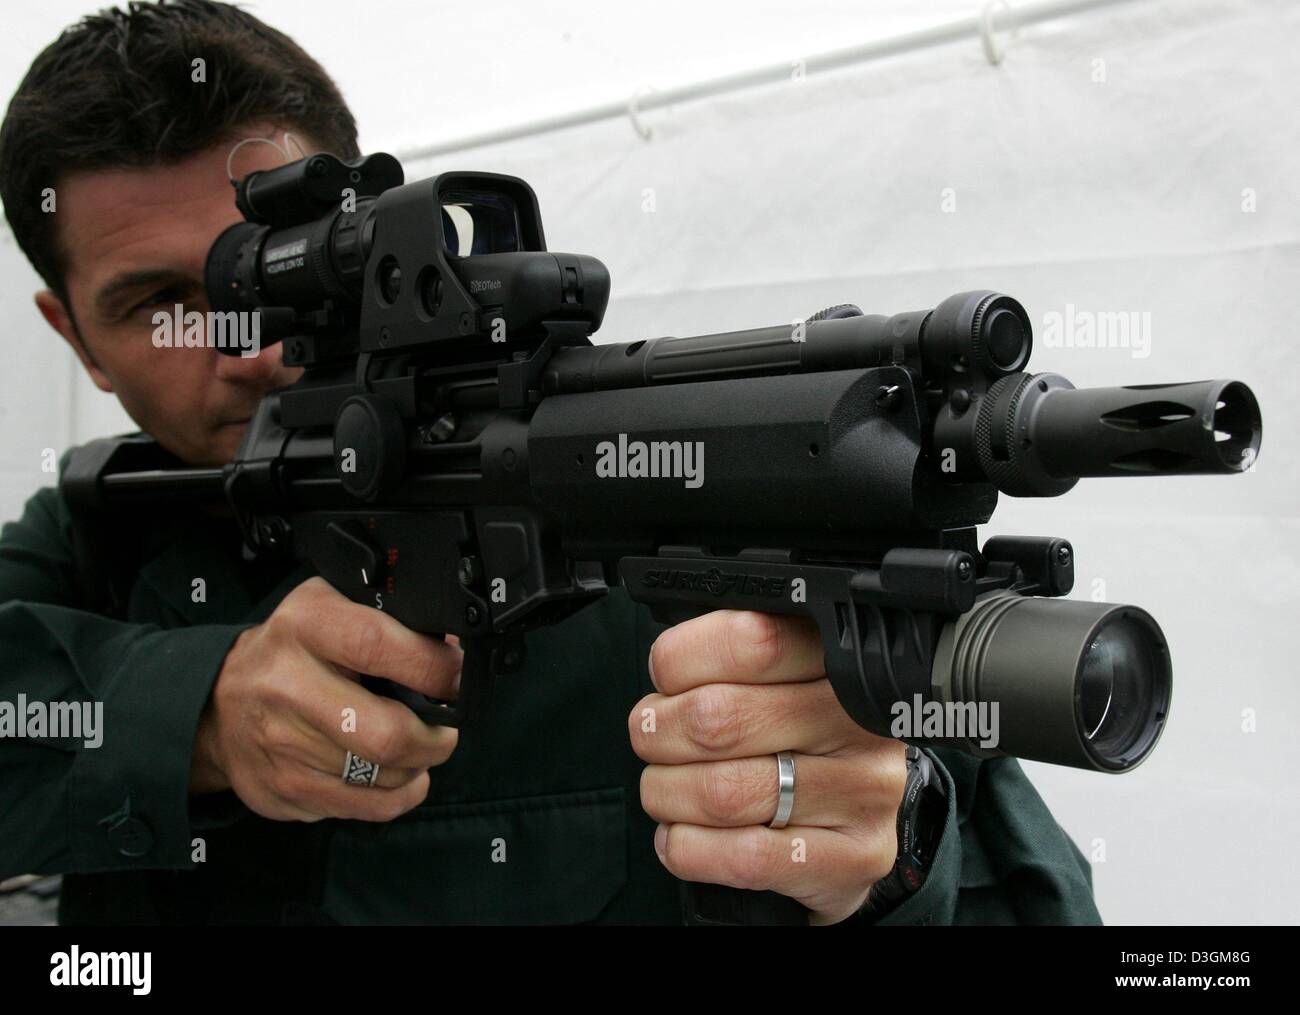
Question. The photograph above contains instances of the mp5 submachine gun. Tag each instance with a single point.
(459, 454)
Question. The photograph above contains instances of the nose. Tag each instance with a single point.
(251, 370)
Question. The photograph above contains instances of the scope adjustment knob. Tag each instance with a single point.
(369, 446)
(836, 312)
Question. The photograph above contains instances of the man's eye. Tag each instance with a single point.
(170, 296)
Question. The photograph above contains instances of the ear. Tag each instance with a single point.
(56, 315)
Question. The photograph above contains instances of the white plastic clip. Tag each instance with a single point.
(992, 53)
(634, 112)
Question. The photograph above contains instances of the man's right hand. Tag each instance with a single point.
(278, 727)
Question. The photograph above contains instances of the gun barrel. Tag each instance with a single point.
(1037, 435)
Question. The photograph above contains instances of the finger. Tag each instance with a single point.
(379, 729)
(311, 749)
(846, 792)
(330, 797)
(386, 778)
(827, 871)
(367, 641)
(720, 721)
(736, 646)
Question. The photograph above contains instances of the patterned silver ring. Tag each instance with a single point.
(784, 789)
(358, 771)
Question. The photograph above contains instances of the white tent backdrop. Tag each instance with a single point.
(1137, 158)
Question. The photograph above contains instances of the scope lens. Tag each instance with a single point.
(1005, 338)
(230, 274)
(479, 222)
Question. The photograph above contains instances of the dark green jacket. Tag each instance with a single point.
(552, 776)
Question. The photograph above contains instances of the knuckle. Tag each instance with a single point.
(392, 806)
(649, 791)
(445, 746)
(752, 859)
(678, 857)
(286, 613)
(256, 725)
(393, 803)
(276, 736)
(291, 787)
(660, 662)
(672, 850)
(380, 737)
(419, 788)
(724, 791)
(390, 777)
(753, 641)
(440, 663)
(310, 593)
(286, 690)
(280, 635)
(636, 720)
(877, 791)
(384, 742)
(883, 779)
(437, 662)
(365, 646)
(295, 608)
(896, 778)
(881, 853)
(713, 719)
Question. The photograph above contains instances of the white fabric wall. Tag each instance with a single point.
(1122, 195)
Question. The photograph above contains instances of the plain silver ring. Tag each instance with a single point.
(784, 789)
(357, 771)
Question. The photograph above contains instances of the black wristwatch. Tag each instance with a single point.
(921, 817)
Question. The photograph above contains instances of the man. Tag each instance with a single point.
(215, 794)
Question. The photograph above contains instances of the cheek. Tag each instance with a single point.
(175, 381)
(163, 389)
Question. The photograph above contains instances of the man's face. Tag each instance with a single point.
(136, 241)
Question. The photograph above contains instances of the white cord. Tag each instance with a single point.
(991, 50)
(264, 140)
(634, 112)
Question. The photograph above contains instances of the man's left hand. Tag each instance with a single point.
(734, 688)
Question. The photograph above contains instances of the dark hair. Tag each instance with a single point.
(114, 91)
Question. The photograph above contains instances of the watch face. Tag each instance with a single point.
(927, 827)
(921, 818)
(925, 811)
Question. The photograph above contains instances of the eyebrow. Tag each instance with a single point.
(112, 294)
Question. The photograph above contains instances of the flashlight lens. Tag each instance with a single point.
(1074, 683)
(1122, 689)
